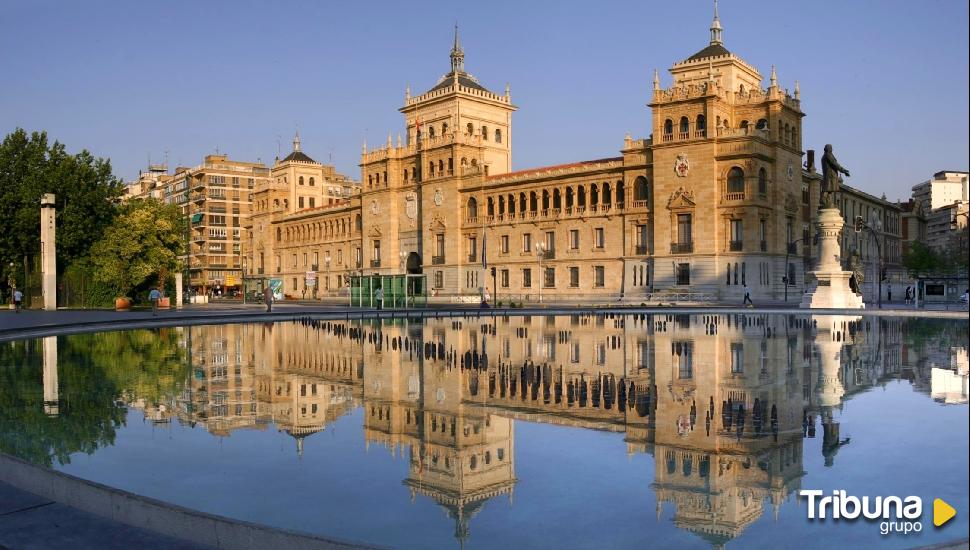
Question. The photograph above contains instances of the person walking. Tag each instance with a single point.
(747, 297)
(18, 299)
(268, 298)
(890, 294)
(379, 297)
(908, 295)
(155, 295)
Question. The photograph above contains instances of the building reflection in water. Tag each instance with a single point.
(722, 402)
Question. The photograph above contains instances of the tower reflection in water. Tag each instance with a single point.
(722, 402)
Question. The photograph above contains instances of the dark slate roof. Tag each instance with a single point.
(298, 156)
(463, 80)
(713, 50)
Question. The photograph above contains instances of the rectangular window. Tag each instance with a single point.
(527, 278)
(737, 358)
(294, 260)
(304, 259)
(300, 200)
(526, 242)
(599, 276)
(505, 278)
(313, 202)
(574, 277)
(763, 233)
(574, 353)
(551, 241)
(599, 241)
(439, 279)
(737, 231)
(644, 354)
(439, 245)
(472, 249)
(574, 239)
(684, 229)
(505, 244)
(684, 357)
(641, 238)
(550, 277)
(376, 252)
(683, 274)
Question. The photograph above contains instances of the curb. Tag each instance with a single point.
(155, 515)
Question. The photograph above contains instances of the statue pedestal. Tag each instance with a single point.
(831, 288)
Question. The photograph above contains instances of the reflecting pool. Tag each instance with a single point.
(584, 431)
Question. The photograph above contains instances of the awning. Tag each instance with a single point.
(196, 218)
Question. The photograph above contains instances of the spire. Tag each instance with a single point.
(774, 77)
(407, 92)
(715, 27)
(656, 80)
(296, 141)
(798, 91)
(457, 55)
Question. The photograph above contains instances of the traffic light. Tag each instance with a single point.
(493, 271)
(859, 224)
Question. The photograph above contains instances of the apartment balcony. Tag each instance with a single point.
(735, 246)
(438, 260)
(642, 250)
(681, 248)
(375, 263)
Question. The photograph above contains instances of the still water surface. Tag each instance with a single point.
(573, 431)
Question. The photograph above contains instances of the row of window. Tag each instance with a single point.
(469, 131)
(548, 277)
(318, 230)
(582, 196)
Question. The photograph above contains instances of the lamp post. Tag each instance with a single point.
(540, 252)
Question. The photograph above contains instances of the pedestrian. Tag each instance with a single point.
(747, 297)
(154, 295)
(268, 298)
(890, 295)
(18, 298)
(908, 295)
(379, 297)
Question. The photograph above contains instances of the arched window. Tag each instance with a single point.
(414, 173)
(684, 127)
(641, 190)
(533, 201)
(522, 207)
(279, 234)
(581, 196)
(700, 127)
(472, 209)
(594, 195)
(787, 133)
(763, 181)
(377, 178)
(405, 175)
(431, 169)
(385, 178)
(444, 128)
(485, 133)
(735, 180)
(501, 205)
(312, 182)
(474, 162)
(569, 197)
(741, 89)
(607, 194)
(441, 167)
(301, 180)
(511, 204)
(744, 124)
(490, 207)
(469, 129)
(762, 124)
(620, 193)
(557, 199)
(358, 223)
(464, 161)
(451, 165)
(498, 135)
(668, 127)
(430, 132)
(370, 180)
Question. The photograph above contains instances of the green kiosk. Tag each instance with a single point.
(400, 291)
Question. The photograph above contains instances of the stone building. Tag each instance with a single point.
(215, 196)
(709, 202)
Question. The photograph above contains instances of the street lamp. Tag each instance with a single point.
(540, 252)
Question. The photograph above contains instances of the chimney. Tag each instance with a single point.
(810, 162)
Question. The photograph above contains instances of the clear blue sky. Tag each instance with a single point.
(885, 81)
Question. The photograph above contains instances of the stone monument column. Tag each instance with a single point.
(831, 288)
(51, 401)
(48, 252)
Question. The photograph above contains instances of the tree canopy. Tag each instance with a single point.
(87, 195)
(143, 242)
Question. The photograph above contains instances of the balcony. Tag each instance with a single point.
(438, 260)
(734, 196)
(681, 248)
(375, 263)
(314, 267)
(735, 246)
(641, 250)
(641, 204)
(549, 254)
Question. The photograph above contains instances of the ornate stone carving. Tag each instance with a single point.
(791, 203)
(438, 197)
(681, 165)
(681, 198)
(411, 205)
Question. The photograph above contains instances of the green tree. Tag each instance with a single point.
(141, 245)
(922, 260)
(87, 195)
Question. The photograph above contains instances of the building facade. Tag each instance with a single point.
(715, 199)
(943, 189)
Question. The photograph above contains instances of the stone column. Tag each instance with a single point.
(48, 252)
(831, 287)
(51, 402)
